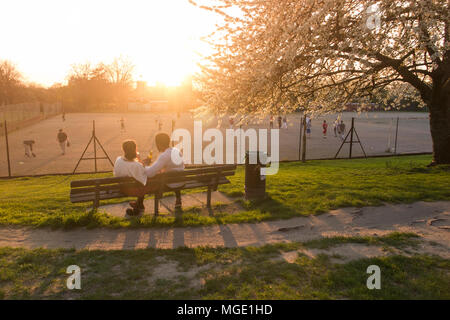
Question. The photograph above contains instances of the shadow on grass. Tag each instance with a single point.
(275, 208)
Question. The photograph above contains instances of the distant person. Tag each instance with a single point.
(28, 144)
(279, 122)
(231, 120)
(308, 127)
(285, 126)
(271, 122)
(342, 130)
(335, 127)
(122, 124)
(62, 140)
(324, 127)
(63, 116)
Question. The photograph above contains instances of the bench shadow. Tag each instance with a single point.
(131, 240)
(229, 240)
(276, 208)
(152, 239)
(178, 238)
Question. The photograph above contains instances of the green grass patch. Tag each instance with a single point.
(221, 273)
(298, 189)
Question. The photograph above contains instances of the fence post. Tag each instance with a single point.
(304, 140)
(300, 139)
(396, 134)
(7, 150)
(95, 145)
(351, 138)
(173, 128)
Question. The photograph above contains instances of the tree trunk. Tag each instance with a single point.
(440, 127)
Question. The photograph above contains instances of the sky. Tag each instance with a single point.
(161, 37)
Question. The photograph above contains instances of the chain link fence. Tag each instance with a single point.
(379, 133)
(21, 115)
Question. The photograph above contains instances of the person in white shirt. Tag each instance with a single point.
(129, 165)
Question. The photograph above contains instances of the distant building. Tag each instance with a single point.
(152, 106)
(160, 98)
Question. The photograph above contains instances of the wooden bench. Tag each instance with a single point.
(192, 177)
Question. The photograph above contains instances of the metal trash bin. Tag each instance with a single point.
(255, 183)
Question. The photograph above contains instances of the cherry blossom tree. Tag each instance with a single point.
(273, 56)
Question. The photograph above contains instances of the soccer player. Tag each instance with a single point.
(342, 130)
(62, 140)
(285, 126)
(122, 125)
(324, 127)
(29, 148)
(308, 127)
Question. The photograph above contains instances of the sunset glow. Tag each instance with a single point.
(162, 38)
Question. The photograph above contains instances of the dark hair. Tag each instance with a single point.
(162, 141)
(129, 149)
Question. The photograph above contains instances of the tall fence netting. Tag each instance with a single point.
(378, 133)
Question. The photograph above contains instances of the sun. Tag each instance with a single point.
(164, 67)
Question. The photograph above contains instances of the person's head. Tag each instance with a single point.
(162, 141)
(324, 121)
(60, 130)
(129, 149)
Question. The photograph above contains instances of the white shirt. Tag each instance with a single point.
(134, 169)
(126, 168)
(169, 160)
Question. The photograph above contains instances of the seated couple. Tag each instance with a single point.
(130, 165)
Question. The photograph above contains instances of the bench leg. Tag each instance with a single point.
(178, 200)
(208, 198)
(95, 203)
(156, 204)
(97, 197)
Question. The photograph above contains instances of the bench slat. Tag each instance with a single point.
(132, 182)
(180, 174)
(111, 187)
(201, 177)
(197, 184)
(104, 195)
(91, 196)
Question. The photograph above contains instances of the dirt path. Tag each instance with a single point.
(431, 220)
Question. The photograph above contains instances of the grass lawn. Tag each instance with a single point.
(220, 273)
(297, 189)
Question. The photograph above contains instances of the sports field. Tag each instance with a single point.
(376, 131)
